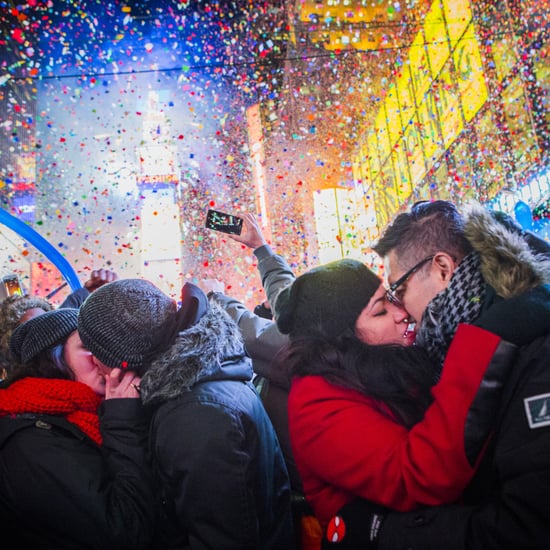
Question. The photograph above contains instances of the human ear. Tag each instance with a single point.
(445, 266)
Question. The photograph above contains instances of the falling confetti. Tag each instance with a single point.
(123, 122)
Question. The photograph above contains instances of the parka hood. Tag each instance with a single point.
(212, 349)
(507, 262)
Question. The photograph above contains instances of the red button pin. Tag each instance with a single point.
(336, 529)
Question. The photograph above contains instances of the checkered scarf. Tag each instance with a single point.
(460, 302)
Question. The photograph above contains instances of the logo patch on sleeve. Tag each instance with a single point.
(537, 409)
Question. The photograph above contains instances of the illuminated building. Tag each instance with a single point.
(465, 111)
(120, 126)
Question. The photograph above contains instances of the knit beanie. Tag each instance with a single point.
(42, 332)
(326, 301)
(128, 322)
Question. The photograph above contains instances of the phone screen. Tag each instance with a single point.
(226, 223)
(11, 285)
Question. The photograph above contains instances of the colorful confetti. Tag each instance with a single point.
(121, 123)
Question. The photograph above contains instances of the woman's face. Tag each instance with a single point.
(381, 322)
(85, 367)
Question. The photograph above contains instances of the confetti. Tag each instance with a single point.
(122, 123)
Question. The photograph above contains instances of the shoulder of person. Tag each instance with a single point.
(10, 425)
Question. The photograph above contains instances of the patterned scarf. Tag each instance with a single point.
(460, 302)
(73, 400)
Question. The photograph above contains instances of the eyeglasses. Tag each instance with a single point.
(391, 296)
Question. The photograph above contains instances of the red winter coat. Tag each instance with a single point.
(344, 446)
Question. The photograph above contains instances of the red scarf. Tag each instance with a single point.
(75, 401)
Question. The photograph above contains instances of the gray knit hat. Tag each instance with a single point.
(326, 301)
(42, 332)
(127, 323)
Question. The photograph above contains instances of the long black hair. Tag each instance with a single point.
(398, 378)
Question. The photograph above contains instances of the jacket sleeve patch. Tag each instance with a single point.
(537, 409)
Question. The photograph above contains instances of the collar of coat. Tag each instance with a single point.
(507, 262)
(211, 349)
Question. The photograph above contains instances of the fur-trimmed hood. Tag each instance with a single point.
(211, 349)
(507, 262)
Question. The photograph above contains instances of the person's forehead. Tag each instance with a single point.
(30, 314)
(379, 294)
(377, 297)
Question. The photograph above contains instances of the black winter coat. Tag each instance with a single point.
(507, 504)
(215, 455)
(77, 495)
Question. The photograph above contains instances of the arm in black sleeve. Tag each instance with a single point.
(508, 505)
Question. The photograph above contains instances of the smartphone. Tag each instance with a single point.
(10, 286)
(226, 223)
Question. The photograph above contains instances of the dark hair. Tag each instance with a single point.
(49, 363)
(428, 228)
(397, 377)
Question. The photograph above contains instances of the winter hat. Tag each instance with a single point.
(128, 322)
(326, 301)
(42, 332)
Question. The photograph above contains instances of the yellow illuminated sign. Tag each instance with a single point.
(339, 23)
(386, 188)
(373, 159)
(458, 14)
(470, 77)
(383, 136)
(405, 93)
(402, 177)
(435, 92)
(429, 128)
(386, 202)
(436, 38)
(420, 70)
(393, 115)
(363, 165)
(415, 154)
(448, 100)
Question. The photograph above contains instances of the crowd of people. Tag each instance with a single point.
(344, 411)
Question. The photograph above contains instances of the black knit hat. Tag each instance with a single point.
(326, 301)
(43, 332)
(128, 322)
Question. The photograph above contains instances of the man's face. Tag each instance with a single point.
(419, 289)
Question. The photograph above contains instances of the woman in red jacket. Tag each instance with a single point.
(364, 419)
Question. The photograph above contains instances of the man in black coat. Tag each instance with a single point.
(446, 268)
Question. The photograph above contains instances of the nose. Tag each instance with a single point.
(399, 314)
(104, 369)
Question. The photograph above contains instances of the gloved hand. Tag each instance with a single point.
(519, 319)
(356, 525)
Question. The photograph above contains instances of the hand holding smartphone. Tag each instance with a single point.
(223, 222)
